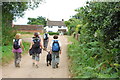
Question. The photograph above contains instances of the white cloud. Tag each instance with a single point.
(53, 10)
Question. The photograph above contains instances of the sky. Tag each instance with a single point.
(55, 10)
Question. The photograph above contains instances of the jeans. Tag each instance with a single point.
(55, 59)
(17, 57)
(35, 57)
(45, 43)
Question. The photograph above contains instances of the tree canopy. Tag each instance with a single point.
(99, 28)
(37, 21)
(11, 10)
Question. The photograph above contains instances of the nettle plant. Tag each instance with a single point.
(98, 52)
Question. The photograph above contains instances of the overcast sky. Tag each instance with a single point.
(55, 10)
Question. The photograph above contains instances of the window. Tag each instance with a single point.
(50, 26)
(64, 26)
(59, 26)
(50, 31)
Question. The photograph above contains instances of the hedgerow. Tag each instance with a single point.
(98, 52)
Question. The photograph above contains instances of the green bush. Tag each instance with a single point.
(88, 60)
(7, 35)
(98, 51)
(53, 33)
(74, 33)
(66, 33)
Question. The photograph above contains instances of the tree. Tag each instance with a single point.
(99, 37)
(72, 24)
(11, 10)
(37, 21)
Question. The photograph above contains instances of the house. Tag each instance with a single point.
(55, 26)
(30, 28)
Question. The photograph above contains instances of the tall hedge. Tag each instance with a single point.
(99, 34)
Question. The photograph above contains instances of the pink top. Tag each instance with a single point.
(17, 50)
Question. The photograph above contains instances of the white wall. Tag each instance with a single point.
(54, 28)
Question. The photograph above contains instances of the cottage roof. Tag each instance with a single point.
(55, 23)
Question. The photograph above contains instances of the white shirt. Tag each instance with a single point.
(58, 42)
(33, 39)
(45, 35)
(18, 41)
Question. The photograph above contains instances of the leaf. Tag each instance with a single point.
(98, 66)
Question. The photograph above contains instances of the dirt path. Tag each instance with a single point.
(28, 71)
